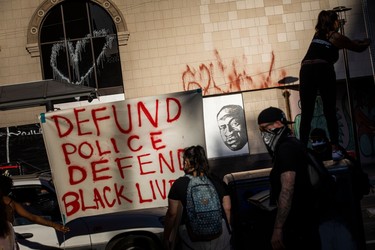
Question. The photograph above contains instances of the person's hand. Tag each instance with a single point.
(366, 41)
(277, 239)
(61, 228)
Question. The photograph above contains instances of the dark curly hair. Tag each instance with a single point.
(6, 184)
(197, 158)
(4, 225)
(326, 23)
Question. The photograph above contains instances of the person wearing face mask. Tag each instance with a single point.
(317, 76)
(296, 224)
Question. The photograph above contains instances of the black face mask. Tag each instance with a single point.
(272, 136)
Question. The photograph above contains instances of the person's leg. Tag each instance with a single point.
(302, 239)
(328, 94)
(307, 93)
(343, 237)
(223, 242)
(186, 243)
(327, 236)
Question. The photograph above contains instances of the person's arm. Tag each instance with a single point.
(21, 211)
(227, 207)
(283, 208)
(170, 220)
(343, 42)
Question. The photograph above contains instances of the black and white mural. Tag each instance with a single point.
(225, 126)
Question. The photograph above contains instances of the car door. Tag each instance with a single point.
(33, 236)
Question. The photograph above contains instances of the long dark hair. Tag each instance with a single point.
(6, 184)
(197, 158)
(326, 23)
(4, 225)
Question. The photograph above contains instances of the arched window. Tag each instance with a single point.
(79, 45)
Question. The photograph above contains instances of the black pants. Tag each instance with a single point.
(302, 238)
(313, 78)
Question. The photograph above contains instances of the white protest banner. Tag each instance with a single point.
(122, 155)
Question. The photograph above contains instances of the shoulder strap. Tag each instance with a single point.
(222, 208)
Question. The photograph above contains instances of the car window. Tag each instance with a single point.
(38, 200)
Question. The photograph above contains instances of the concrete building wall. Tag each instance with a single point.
(176, 45)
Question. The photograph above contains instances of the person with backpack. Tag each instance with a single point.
(206, 206)
(296, 224)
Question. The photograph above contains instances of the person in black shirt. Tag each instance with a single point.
(296, 224)
(317, 76)
(195, 164)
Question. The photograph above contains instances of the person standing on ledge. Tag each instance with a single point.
(318, 76)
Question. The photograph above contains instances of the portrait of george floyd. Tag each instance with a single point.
(225, 126)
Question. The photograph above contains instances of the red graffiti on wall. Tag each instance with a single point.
(233, 78)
